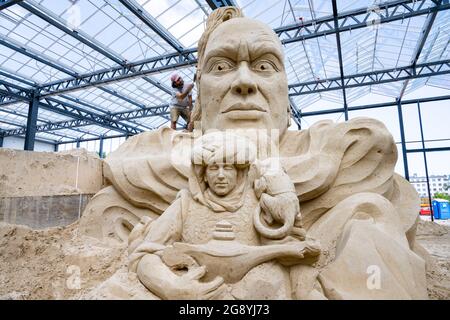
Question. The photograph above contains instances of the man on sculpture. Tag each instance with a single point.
(362, 213)
(181, 102)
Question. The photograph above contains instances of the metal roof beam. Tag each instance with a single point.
(53, 142)
(76, 112)
(141, 113)
(18, 78)
(55, 21)
(68, 110)
(421, 43)
(153, 24)
(93, 139)
(21, 131)
(99, 109)
(15, 113)
(339, 50)
(7, 99)
(111, 75)
(31, 53)
(355, 19)
(13, 45)
(49, 127)
(7, 3)
(21, 115)
(375, 106)
(370, 78)
(48, 61)
(297, 32)
(214, 4)
(296, 113)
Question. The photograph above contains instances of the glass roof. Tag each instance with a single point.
(43, 41)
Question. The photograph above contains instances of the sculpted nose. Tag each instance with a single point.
(244, 84)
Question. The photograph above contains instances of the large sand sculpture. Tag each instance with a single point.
(311, 214)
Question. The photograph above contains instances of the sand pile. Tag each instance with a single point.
(429, 228)
(435, 239)
(54, 263)
(58, 263)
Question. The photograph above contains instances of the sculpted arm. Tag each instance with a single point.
(157, 276)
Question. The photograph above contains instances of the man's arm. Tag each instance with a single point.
(157, 276)
(190, 102)
(182, 95)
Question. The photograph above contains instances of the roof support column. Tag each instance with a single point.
(430, 197)
(341, 65)
(402, 138)
(100, 149)
(1, 141)
(30, 134)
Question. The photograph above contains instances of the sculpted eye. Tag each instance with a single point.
(221, 66)
(264, 66)
(213, 167)
(228, 167)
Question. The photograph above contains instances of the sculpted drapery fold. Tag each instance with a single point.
(327, 163)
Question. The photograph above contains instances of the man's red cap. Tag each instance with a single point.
(174, 77)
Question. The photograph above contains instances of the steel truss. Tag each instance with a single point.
(387, 12)
(373, 106)
(214, 4)
(7, 3)
(66, 109)
(334, 24)
(370, 78)
(70, 124)
(111, 75)
(355, 19)
(49, 127)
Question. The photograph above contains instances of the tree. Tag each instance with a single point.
(444, 196)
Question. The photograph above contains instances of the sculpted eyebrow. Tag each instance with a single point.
(260, 49)
(224, 51)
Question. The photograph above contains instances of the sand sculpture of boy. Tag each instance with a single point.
(363, 214)
(205, 245)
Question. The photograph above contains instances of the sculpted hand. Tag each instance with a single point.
(188, 286)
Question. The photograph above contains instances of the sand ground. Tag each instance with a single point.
(435, 238)
(58, 263)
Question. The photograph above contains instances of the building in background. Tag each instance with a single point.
(438, 184)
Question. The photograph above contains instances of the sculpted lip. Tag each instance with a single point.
(244, 107)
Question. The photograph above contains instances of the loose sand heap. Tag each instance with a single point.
(435, 239)
(53, 263)
(58, 263)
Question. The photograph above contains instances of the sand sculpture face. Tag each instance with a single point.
(221, 178)
(243, 82)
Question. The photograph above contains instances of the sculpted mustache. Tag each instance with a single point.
(244, 107)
